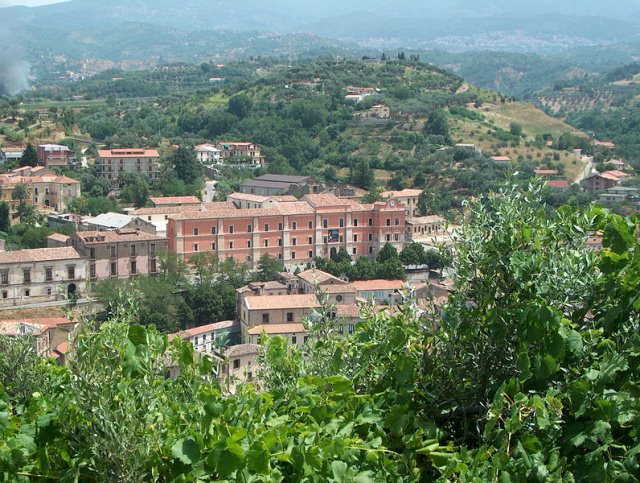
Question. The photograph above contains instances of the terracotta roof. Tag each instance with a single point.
(63, 348)
(203, 329)
(371, 285)
(40, 255)
(216, 205)
(558, 184)
(32, 169)
(164, 210)
(168, 210)
(128, 153)
(617, 173)
(90, 237)
(546, 171)
(46, 178)
(59, 237)
(609, 176)
(174, 200)
(606, 144)
(48, 322)
(273, 302)
(338, 288)
(273, 285)
(501, 158)
(298, 208)
(274, 329)
(284, 198)
(351, 311)
(325, 200)
(242, 350)
(288, 276)
(406, 193)
(18, 327)
(248, 197)
(315, 276)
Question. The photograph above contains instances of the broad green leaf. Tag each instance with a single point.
(339, 470)
(258, 459)
(186, 450)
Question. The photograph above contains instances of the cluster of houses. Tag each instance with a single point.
(290, 218)
(359, 94)
(610, 186)
(291, 229)
(46, 189)
(49, 156)
(289, 307)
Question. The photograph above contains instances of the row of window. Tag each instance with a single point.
(27, 293)
(133, 268)
(133, 251)
(26, 275)
(294, 226)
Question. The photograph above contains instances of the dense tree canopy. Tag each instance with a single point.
(530, 373)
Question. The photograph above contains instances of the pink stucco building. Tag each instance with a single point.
(293, 232)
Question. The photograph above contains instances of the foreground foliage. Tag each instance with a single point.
(529, 373)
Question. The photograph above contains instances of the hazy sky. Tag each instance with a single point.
(31, 3)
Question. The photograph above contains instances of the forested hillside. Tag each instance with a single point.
(530, 373)
(299, 115)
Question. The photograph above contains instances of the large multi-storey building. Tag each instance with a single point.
(56, 156)
(120, 253)
(293, 232)
(240, 153)
(113, 163)
(41, 275)
(46, 189)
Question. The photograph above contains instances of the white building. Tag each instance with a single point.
(41, 275)
(208, 154)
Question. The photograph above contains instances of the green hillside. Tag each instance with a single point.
(606, 106)
(299, 115)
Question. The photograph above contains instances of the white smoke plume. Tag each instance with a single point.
(14, 70)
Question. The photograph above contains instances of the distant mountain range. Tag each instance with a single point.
(548, 35)
(522, 25)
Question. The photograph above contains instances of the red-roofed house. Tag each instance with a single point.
(206, 339)
(546, 172)
(501, 159)
(618, 174)
(558, 184)
(113, 163)
(600, 181)
(47, 332)
(46, 189)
